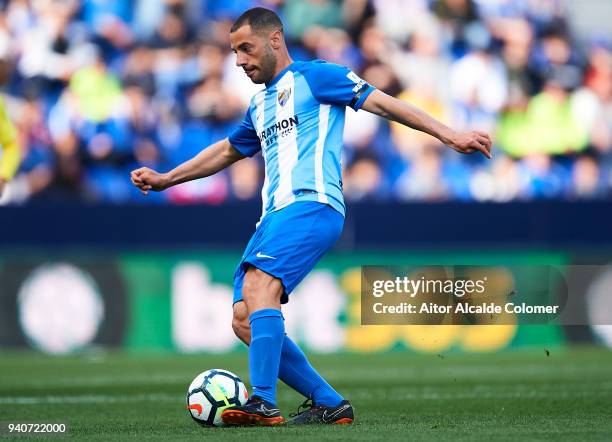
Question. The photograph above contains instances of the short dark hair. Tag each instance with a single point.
(260, 19)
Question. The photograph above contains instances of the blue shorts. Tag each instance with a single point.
(288, 243)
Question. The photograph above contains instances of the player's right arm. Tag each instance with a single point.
(209, 161)
(411, 116)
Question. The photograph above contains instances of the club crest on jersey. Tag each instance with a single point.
(283, 96)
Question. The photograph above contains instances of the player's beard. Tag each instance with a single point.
(267, 66)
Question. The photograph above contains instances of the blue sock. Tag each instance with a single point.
(296, 372)
(267, 333)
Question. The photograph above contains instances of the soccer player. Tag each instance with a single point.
(297, 123)
(11, 155)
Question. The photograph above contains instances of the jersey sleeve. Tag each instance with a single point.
(244, 138)
(334, 84)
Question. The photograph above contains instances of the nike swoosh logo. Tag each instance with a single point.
(196, 407)
(330, 416)
(261, 255)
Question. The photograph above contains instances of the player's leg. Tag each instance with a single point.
(295, 370)
(319, 228)
(288, 244)
(261, 294)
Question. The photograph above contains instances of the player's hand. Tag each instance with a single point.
(470, 142)
(2, 185)
(148, 179)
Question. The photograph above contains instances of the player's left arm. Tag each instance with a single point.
(404, 113)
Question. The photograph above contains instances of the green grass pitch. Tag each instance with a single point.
(514, 395)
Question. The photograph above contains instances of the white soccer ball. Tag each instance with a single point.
(212, 392)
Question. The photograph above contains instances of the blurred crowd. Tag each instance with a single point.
(99, 87)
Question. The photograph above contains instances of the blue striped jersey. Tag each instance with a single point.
(297, 123)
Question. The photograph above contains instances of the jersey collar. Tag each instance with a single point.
(279, 76)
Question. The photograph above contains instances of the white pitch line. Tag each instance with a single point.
(102, 381)
(354, 393)
(438, 396)
(87, 399)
